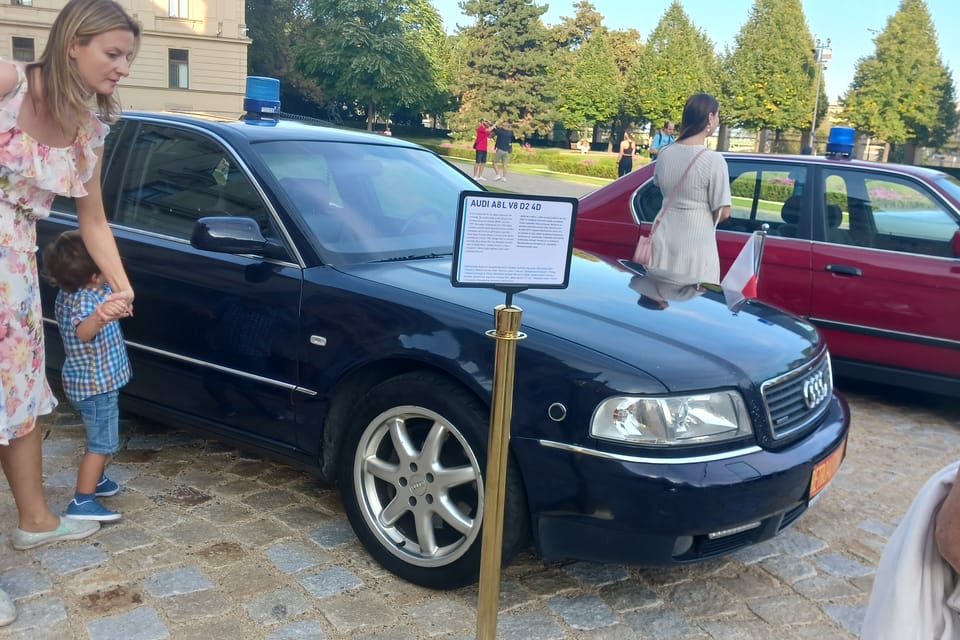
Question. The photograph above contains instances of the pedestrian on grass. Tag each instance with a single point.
(625, 157)
(50, 140)
(95, 368)
(502, 148)
(480, 145)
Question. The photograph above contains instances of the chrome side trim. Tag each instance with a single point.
(619, 457)
(903, 336)
(210, 365)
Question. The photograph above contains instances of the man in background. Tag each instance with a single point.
(661, 139)
(480, 144)
(502, 150)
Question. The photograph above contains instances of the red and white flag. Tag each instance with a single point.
(740, 282)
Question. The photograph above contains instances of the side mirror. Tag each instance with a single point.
(228, 234)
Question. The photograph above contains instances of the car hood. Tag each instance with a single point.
(685, 338)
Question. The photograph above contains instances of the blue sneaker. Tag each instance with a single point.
(107, 487)
(90, 510)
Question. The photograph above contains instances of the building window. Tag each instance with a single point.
(179, 69)
(22, 3)
(23, 49)
(178, 8)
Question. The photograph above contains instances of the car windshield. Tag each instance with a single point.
(368, 202)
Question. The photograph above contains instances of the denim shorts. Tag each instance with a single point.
(101, 417)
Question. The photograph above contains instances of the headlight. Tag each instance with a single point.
(706, 418)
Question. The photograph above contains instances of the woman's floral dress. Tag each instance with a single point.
(31, 174)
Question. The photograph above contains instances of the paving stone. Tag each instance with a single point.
(333, 534)
(301, 518)
(329, 582)
(528, 626)
(548, 583)
(585, 611)
(882, 529)
(270, 500)
(37, 614)
(64, 447)
(25, 583)
(703, 597)
(174, 582)
(512, 595)
(110, 598)
(629, 596)
(848, 617)
(260, 532)
(663, 624)
(618, 631)
(784, 610)
(790, 569)
(195, 605)
(251, 578)
(125, 538)
(220, 554)
(296, 556)
(441, 616)
(305, 630)
(62, 560)
(224, 513)
(350, 612)
(389, 634)
(823, 588)
(737, 630)
(597, 574)
(276, 607)
(201, 479)
(192, 533)
(237, 488)
(838, 564)
(139, 624)
(750, 583)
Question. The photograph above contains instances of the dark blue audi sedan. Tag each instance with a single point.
(294, 298)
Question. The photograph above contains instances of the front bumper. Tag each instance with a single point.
(590, 505)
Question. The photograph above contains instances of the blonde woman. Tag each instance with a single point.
(51, 143)
(625, 157)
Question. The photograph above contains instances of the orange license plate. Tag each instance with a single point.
(827, 468)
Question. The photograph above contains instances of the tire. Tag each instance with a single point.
(419, 512)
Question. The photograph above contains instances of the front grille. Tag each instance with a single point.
(797, 400)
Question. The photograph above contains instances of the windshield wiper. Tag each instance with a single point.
(416, 256)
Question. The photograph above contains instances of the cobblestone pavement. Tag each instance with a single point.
(215, 544)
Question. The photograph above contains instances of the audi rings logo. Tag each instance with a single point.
(815, 389)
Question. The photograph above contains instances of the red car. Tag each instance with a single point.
(869, 252)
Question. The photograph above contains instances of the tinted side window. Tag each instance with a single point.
(175, 177)
(885, 212)
(766, 193)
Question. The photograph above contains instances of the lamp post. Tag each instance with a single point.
(821, 54)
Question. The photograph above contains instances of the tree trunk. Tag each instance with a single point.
(370, 113)
(723, 138)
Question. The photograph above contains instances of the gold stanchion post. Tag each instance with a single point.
(506, 333)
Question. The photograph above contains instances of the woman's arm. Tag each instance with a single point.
(98, 238)
(947, 526)
(722, 213)
(9, 78)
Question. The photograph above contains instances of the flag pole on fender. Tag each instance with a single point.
(743, 277)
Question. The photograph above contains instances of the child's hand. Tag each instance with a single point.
(111, 310)
(126, 298)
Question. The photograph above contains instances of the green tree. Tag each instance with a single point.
(274, 27)
(504, 67)
(903, 93)
(589, 89)
(573, 32)
(677, 61)
(424, 26)
(771, 75)
(362, 52)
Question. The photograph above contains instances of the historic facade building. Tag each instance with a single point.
(193, 53)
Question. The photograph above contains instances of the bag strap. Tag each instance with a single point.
(675, 190)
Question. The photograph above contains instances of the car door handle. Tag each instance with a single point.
(844, 270)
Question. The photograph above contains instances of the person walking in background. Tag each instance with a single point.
(697, 181)
(95, 368)
(480, 146)
(661, 140)
(625, 157)
(50, 140)
(502, 148)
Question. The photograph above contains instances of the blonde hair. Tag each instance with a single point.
(64, 92)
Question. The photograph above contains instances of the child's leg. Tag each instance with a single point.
(91, 468)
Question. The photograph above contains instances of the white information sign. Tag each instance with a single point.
(513, 241)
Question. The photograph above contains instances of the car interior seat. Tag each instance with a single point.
(834, 220)
(790, 214)
(312, 197)
(863, 230)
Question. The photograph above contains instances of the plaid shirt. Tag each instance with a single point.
(93, 367)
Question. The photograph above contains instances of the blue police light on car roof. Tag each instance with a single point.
(840, 142)
(261, 101)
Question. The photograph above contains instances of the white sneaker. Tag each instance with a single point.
(481, 179)
(497, 178)
(503, 179)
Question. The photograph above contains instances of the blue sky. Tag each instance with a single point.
(846, 22)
